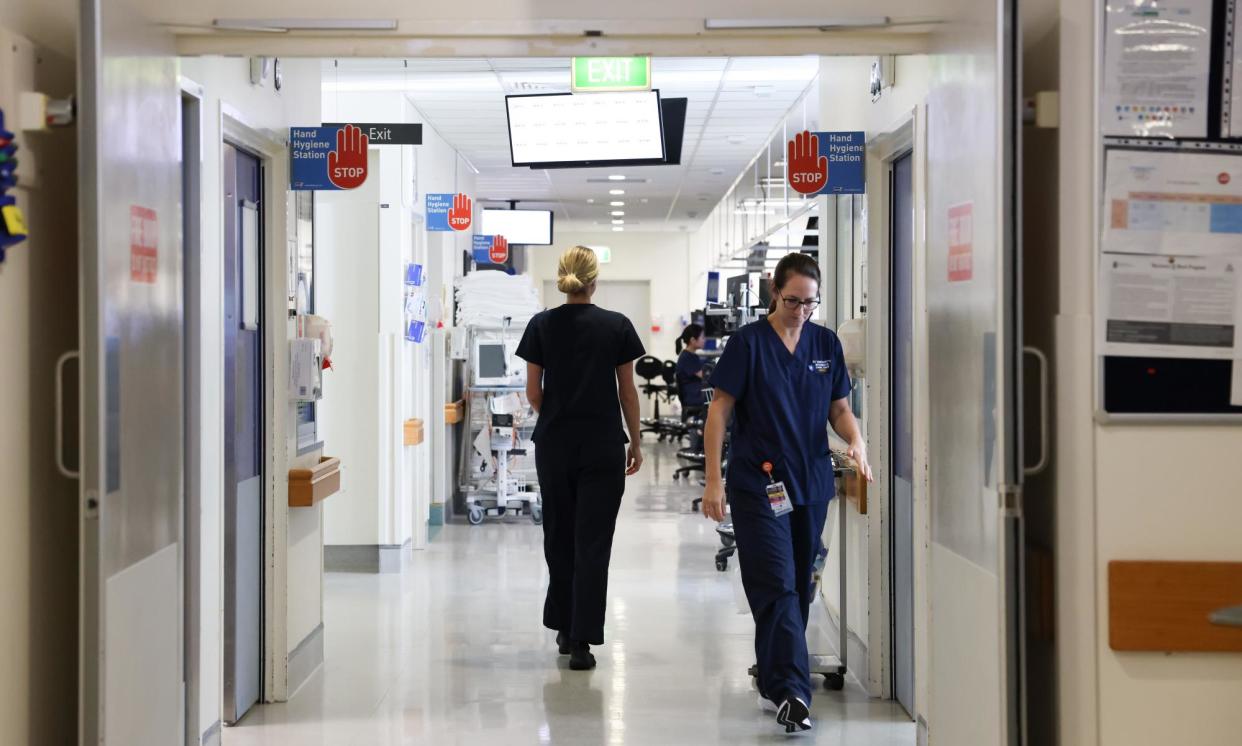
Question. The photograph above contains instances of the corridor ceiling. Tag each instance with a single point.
(734, 104)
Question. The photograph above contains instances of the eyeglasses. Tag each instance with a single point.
(793, 303)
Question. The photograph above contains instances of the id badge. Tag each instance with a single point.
(778, 499)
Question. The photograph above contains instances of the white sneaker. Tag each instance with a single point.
(794, 715)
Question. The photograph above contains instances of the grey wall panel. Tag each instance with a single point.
(129, 140)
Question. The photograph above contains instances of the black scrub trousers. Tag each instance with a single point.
(581, 484)
(580, 456)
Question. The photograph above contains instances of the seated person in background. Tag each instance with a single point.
(690, 375)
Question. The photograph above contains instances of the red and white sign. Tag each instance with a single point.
(144, 245)
(347, 165)
(807, 170)
(459, 216)
(499, 252)
(962, 242)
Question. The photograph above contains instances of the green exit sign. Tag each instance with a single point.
(611, 74)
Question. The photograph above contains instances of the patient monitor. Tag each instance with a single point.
(496, 364)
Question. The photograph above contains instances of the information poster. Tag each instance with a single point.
(1171, 202)
(1157, 59)
(1169, 306)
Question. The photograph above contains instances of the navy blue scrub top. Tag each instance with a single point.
(689, 385)
(782, 407)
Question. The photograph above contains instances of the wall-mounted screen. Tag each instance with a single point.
(520, 227)
(587, 127)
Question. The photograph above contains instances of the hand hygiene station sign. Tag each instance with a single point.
(327, 158)
(827, 163)
(449, 212)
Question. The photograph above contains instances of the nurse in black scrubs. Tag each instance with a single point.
(783, 381)
(580, 379)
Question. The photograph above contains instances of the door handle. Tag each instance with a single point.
(1230, 616)
(60, 414)
(1042, 359)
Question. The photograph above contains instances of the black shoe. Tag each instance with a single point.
(580, 658)
(562, 644)
(794, 715)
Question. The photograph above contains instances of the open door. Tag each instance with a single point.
(974, 341)
(131, 399)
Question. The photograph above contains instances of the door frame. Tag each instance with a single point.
(906, 135)
(192, 339)
(273, 156)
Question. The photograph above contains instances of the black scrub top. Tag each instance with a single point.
(689, 385)
(579, 347)
(781, 414)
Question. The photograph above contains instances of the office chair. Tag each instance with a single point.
(649, 368)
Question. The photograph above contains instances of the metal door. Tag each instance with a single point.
(131, 418)
(901, 209)
(243, 428)
(974, 344)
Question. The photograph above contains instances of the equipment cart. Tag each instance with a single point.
(497, 467)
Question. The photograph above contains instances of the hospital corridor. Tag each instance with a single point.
(578, 373)
(452, 651)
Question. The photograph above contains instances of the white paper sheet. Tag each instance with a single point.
(1173, 203)
(1164, 306)
(1157, 56)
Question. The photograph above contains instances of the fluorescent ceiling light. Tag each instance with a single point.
(591, 201)
(305, 24)
(618, 213)
(616, 177)
(614, 203)
(616, 191)
(745, 24)
(618, 222)
(617, 229)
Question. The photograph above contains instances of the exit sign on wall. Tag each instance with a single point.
(610, 74)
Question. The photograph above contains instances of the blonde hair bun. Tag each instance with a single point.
(577, 269)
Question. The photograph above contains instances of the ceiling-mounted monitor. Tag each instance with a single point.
(672, 121)
(520, 227)
(585, 129)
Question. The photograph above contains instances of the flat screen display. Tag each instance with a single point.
(584, 127)
(521, 227)
(492, 361)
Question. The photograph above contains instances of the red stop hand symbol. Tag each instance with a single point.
(807, 169)
(347, 165)
(459, 213)
(499, 252)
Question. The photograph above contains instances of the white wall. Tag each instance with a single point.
(226, 85)
(1115, 502)
(38, 507)
(368, 236)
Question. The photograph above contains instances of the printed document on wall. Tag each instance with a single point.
(1172, 202)
(1169, 306)
(1157, 57)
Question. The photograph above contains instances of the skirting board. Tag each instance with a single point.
(305, 659)
(211, 736)
(377, 558)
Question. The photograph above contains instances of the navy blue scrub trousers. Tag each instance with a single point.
(581, 484)
(777, 558)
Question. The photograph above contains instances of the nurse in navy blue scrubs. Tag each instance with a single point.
(783, 381)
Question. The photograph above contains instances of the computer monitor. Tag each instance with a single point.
(713, 287)
(736, 294)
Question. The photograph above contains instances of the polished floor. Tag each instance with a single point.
(452, 650)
